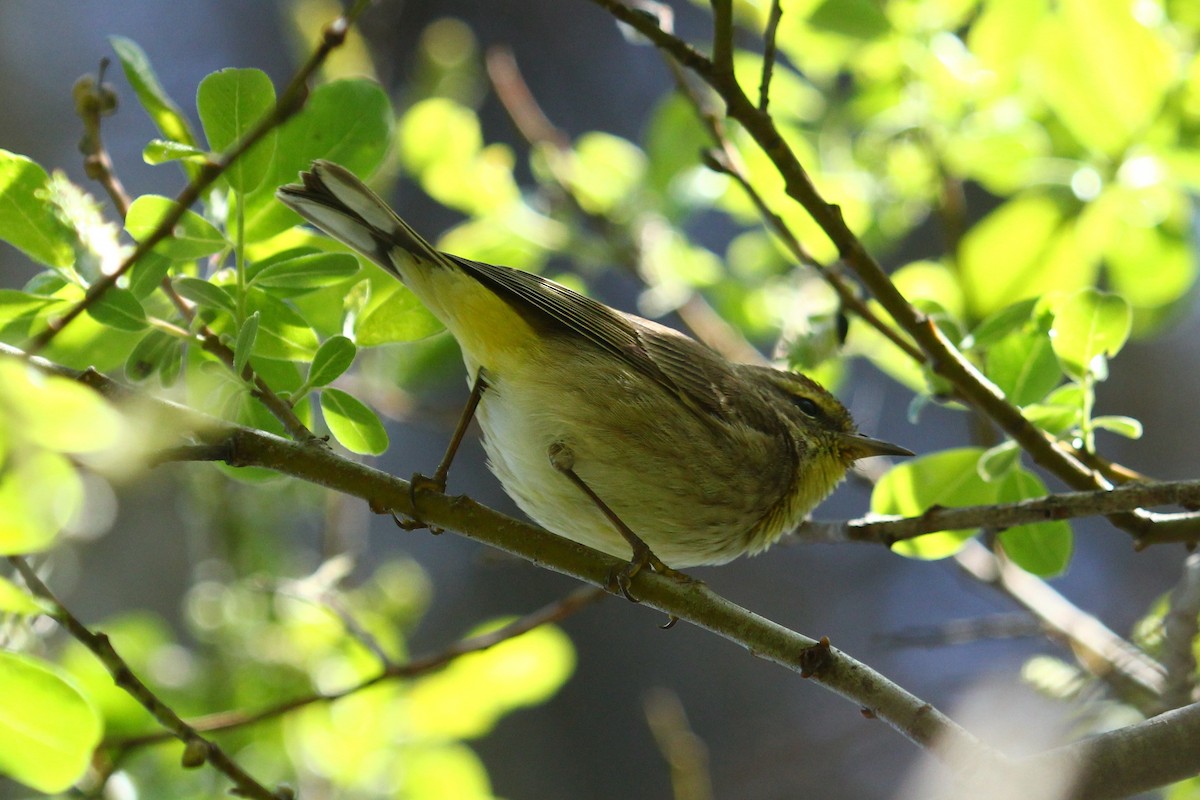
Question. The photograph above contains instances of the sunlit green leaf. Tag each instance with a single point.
(861, 19)
(145, 277)
(192, 237)
(1043, 548)
(334, 357)
(39, 493)
(930, 280)
(27, 219)
(166, 116)
(1103, 72)
(1023, 365)
(355, 426)
(998, 461)
(605, 171)
(56, 412)
(230, 103)
(394, 316)
(947, 478)
(1089, 325)
(1025, 248)
(471, 694)
(1128, 427)
(244, 346)
(282, 332)
(999, 325)
(205, 293)
(48, 730)
(15, 600)
(119, 308)
(311, 271)
(160, 151)
(346, 121)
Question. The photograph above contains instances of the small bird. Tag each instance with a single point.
(609, 429)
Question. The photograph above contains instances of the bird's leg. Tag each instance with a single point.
(437, 483)
(562, 458)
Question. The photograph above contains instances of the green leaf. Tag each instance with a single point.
(860, 19)
(346, 121)
(1089, 325)
(27, 218)
(54, 412)
(1053, 418)
(947, 478)
(193, 236)
(230, 103)
(245, 343)
(160, 151)
(166, 116)
(152, 354)
(48, 730)
(205, 293)
(16, 600)
(999, 325)
(394, 316)
(1025, 248)
(1043, 548)
(606, 170)
(145, 277)
(1128, 427)
(998, 461)
(39, 494)
(1023, 366)
(1103, 72)
(353, 424)
(334, 357)
(282, 332)
(313, 271)
(118, 308)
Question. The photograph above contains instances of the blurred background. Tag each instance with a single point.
(768, 733)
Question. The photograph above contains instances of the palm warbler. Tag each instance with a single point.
(604, 427)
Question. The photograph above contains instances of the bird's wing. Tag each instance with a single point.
(683, 366)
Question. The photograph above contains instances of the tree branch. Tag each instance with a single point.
(693, 602)
(889, 530)
(199, 749)
(289, 102)
(944, 358)
(228, 720)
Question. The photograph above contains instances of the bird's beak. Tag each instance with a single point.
(856, 446)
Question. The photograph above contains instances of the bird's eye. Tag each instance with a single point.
(807, 406)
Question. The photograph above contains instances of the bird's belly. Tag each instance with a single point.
(649, 470)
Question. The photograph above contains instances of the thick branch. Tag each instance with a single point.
(689, 601)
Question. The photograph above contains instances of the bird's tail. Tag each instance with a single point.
(337, 202)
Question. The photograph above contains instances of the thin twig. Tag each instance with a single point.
(1180, 627)
(290, 101)
(198, 748)
(527, 115)
(944, 358)
(1067, 505)
(228, 720)
(1136, 676)
(685, 752)
(764, 85)
(95, 99)
(689, 601)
